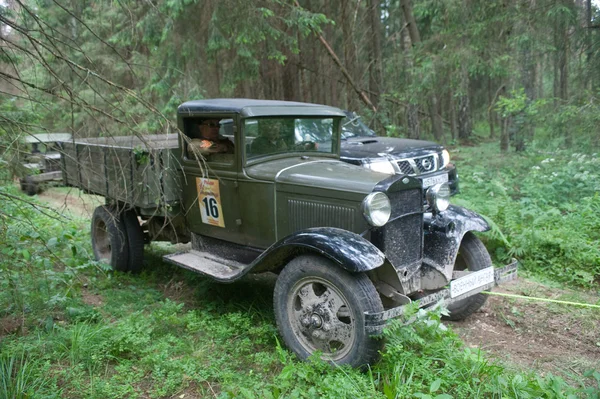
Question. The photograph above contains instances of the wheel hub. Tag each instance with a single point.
(322, 319)
(316, 321)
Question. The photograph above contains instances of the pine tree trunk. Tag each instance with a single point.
(491, 112)
(465, 126)
(504, 139)
(453, 123)
(432, 103)
(375, 68)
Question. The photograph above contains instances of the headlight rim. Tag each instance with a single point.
(368, 212)
(437, 199)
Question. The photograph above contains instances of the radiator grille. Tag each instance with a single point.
(306, 214)
(405, 202)
(402, 238)
(402, 241)
(419, 166)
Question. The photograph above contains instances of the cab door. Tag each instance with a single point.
(210, 185)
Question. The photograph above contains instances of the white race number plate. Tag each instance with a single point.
(471, 281)
(432, 181)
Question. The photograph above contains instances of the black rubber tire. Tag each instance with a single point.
(31, 186)
(109, 238)
(354, 290)
(472, 256)
(135, 239)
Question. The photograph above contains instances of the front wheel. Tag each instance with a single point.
(472, 256)
(320, 308)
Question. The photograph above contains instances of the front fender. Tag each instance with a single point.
(348, 250)
(443, 235)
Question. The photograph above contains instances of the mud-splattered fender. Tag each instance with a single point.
(348, 250)
(443, 235)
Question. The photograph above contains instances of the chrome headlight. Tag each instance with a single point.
(377, 209)
(445, 158)
(438, 197)
(381, 167)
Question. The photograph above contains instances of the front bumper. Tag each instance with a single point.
(374, 322)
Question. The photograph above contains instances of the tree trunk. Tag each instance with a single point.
(453, 123)
(413, 124)
(465, 125)
(432, 104)
(375, 68)
(504, 139)
(491, 112)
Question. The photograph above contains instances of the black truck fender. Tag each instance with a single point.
(443, 235)
(348, 250)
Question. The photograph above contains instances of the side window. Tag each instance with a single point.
(209, 139)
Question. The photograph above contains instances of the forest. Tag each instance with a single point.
(510, 88)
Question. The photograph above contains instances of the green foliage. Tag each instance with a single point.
(544, 205)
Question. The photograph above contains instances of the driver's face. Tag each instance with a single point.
(209, 129)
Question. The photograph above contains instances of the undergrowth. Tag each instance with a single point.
(543, 206)
(79, 331)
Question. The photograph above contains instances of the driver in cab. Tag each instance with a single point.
(209, 140)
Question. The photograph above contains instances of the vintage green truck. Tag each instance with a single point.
(351, 246)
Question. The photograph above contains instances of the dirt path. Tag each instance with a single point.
(560, 339)
(71, 201)
(547, 337)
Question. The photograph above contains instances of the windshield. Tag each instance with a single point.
(353, 126)
(268, 136)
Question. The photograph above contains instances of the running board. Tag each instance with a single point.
(220, 269)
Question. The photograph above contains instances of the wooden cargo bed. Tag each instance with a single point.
(143, 172)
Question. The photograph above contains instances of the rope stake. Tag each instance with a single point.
(532, 298)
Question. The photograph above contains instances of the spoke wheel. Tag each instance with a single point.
(472, 256)
(320, 308)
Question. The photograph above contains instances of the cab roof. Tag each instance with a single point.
(251, 108)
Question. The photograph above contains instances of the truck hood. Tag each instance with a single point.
(329, 174)
(385, 147)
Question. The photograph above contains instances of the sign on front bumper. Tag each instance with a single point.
(468, 284)
(471, 282)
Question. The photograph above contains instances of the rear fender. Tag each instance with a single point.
(348, 250)
(443, 235)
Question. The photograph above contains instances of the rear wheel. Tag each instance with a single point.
(109, 238)
(472, 256)
(31, 186)
(135, 240)
(320, 308)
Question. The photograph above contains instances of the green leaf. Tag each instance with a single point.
(26, 254)
(435, 386)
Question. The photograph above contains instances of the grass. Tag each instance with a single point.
(85, 332)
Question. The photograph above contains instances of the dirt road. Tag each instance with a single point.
(563, 340)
